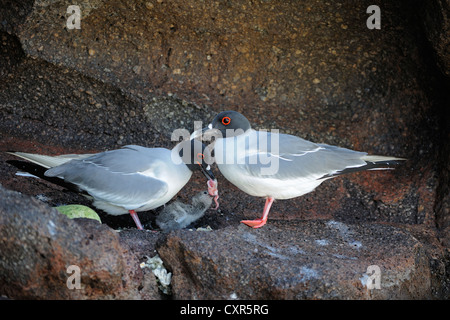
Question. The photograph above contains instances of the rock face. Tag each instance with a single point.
(322, 259)
(137, 70)
(436, 18)
(41, 250)
(298, 260)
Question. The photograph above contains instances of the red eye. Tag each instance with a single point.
(226, 120)
(200, 156)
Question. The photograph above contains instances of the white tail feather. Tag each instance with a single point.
(49, 161)
(375, 158)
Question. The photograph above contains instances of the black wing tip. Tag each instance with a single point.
(386, 163)
(370, 165)
(40, 171)
(20, 164)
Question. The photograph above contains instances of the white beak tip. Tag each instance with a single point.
(195, 134)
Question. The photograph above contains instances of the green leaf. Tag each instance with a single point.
(73, 211)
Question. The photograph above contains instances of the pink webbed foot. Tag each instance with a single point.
(258, 223)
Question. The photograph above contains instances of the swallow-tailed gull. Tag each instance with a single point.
(130, 179)
(279, 166)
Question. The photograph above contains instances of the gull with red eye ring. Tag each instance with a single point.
(131, 179)
(226, 121)
(301, 165)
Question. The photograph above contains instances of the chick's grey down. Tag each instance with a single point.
(178, 215)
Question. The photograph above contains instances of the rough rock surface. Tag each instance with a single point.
(38, 245)
(321, 259)
(137, 70)
(311, 69)
(436, 19)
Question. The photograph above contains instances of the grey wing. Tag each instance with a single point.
(129, 159)
(109, 176)
(290, 157)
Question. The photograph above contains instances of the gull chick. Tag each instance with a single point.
(178, 215)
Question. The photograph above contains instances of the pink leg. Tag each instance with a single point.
(136, 219)
(258, 223)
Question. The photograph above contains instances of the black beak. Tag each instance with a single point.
(207, 172)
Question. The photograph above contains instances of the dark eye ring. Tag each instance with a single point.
(226, 120)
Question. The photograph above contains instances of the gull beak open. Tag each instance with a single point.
(207, 172)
